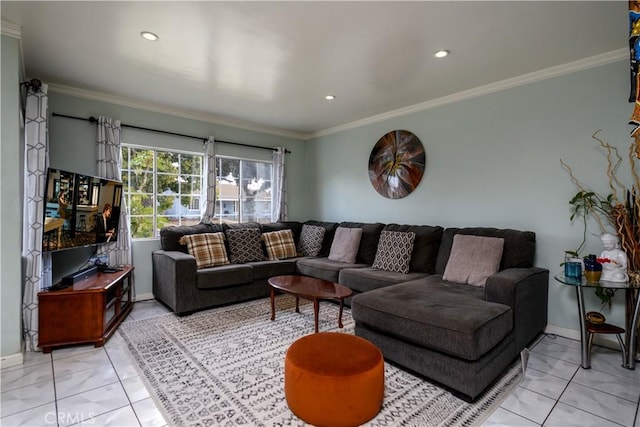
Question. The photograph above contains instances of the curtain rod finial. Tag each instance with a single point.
(34, 84)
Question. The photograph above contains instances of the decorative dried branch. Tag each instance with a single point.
(612, 167)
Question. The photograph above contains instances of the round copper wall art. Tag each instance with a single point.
(396, 164)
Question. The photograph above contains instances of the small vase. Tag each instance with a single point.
(573, 267)
(592, 276)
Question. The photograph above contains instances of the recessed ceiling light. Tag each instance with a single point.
(148, 35)
(330, 97)
(441, 53)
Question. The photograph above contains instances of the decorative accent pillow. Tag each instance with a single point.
(207, 248)
(473, 259)
(244, 245)
(345, 245)
(279, 244)
(394, 251)
(311, 238)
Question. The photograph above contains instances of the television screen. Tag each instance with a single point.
(80, 210)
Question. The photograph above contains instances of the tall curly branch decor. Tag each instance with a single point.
(620, 210)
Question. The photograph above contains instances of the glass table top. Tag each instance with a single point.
(582, 281)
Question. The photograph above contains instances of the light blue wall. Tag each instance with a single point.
(11, 201)
(492, 161)
(72, 147)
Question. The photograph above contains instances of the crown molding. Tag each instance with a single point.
(156, 108)
(547, 73)
(11, 30)
(15, 31)
(560, 70)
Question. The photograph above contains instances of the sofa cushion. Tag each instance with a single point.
(224, 276)
(329, 232)
(244, 245)
(369, 242)
(267, 269)
(241, 225)
(311, 238)
(394, 251)
(207, 248)
(170, 236)
(447, 317)
(345, 245)
(323, 268)
(519, 246)
(425, 246)
(473, 259)
(369, 278)
(279, 245)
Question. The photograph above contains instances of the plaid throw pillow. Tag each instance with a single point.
(207, 248)
(394, 251)
(279, 244)
(311, 238)
(244, 245)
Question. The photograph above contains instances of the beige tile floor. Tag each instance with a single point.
(90, 386)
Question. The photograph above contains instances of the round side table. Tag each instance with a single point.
(587, 329)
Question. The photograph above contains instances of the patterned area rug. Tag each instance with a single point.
(225, 366)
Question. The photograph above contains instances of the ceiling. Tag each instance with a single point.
(269, 65)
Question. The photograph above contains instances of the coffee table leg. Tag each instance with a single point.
(297, 304)
(273, 305)
(340, 313)
(316, 309)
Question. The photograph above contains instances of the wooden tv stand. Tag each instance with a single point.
(89, 311)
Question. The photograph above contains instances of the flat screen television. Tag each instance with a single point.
(80, 210)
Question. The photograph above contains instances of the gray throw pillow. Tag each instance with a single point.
(473, 259)
(345, 245)
(394, 251)
(311, 238)
(244, 245)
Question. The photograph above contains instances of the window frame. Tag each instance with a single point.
(127, 194)
(218, 218)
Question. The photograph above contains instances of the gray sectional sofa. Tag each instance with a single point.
(461, 336)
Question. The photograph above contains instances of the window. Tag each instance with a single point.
(161, 188)
(164, 188)
(243, 190)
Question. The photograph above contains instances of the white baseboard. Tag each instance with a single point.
(144, 297)
(563, 332)
(11, 360)
(608, 341)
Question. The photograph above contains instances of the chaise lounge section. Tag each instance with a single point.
(460, 335)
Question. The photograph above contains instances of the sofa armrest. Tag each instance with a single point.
(173, 273)
(526, 291)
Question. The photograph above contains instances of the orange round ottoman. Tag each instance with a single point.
(334, 379)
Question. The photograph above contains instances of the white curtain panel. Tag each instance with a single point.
(36, 161)
(279, 187)
(110, 167)
(208, 202)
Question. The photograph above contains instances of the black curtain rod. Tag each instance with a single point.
(94, 120)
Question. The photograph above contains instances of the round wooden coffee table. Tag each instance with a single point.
(308, 288)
